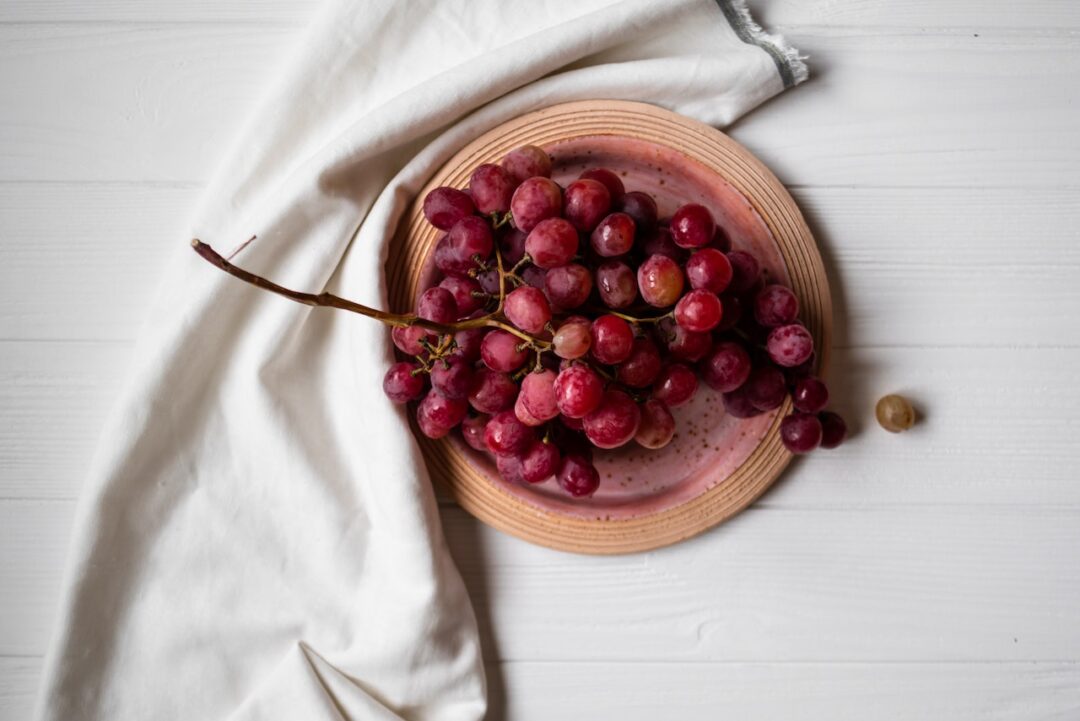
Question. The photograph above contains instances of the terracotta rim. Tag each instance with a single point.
(722, 155)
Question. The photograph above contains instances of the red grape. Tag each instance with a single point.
(660, 280)
(533, 276)
(491, 188)
(468, 343)
(657, 425)
(800, 432)
(573, 338)
(612, 339)
(523, 414)
(587, 202)
(692, 226)
(578, 390)
(534, 200)
(727, 368)
(660, 242)
(408, 339)
(833, 429)
(578, 476)
(540, 462)
(499, 351)
(512, 246)
(810, 395)
(402, 383)
(472, 430)
(616, 284)
(610, 180)
(745, 271)
(552, 242)
(732, 313)
(775, 305)
(709, 269)
(642, 366)
(698, 311)
(437, 415)
(538, 394)
(766, 388)
(737, 403)
(465, 292)
(492, 391)
(505, 435)
(445, 206)
(568, 286)
(614, 422)
(526, 162)
(510, 468)
(452, 376)
(470, 238)
(675, 385)
(437, 305)
(790, 345)
(614, 236)
(682, 343)
(527, 308)
(641, 207)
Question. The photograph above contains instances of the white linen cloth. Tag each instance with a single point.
(257, 538)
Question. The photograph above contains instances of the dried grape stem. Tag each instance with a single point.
(329, 300)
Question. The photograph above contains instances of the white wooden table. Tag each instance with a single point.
(936, 575)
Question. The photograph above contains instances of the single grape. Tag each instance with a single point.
(492, 391)
(587, 202)
(452, 376)
(552, 242)
(534, 277)
(732, 313)
(660, 280)
(692, 226)
(578, 476)
(437, 415)
(491, 188)
(833, 429)
(445, 206)
(675, 385)
(573, 338)
(403, 382)
(471, 238)
(437, 305)
(709, 269)
(510, 468)
(612, 339)
(538, 394)
(505, 435)
(895, 413)
(526, 162)
(682, 343)
(775, 305)
(614, 422)
(698, 311)
(745, 271)
(578, 391)
(488, 280)
(657, 426)
(409, 339)
(616, 284)
(790, 345)
(512, 246)
(766, 388)
(660, 242)
(499, 351)
(540, 462)
(468, 296)
(568, 286)
(613, 236)
(810, 395)
(527, 308)
(523, 415)
(610, 180)
(641, 207)
(642, 366)
(737, 404)
(449, 262)
(727, 367)
(800, 432)
(472, 430)
(535, 200)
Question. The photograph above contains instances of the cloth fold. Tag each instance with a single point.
(257, 537)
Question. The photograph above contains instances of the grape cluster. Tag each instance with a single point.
(568, 319)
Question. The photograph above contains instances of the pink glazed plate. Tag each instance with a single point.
(717, 464)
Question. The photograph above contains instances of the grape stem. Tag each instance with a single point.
(397, 320)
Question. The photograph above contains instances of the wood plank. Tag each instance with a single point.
(929, 584)
(965, 111)
(993, 431)
(909, 266)
(19, 680)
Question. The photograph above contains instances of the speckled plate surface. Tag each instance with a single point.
(717, 464)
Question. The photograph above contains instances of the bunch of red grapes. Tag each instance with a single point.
(580, 319)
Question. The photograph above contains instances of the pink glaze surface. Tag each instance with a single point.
(708, 445)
